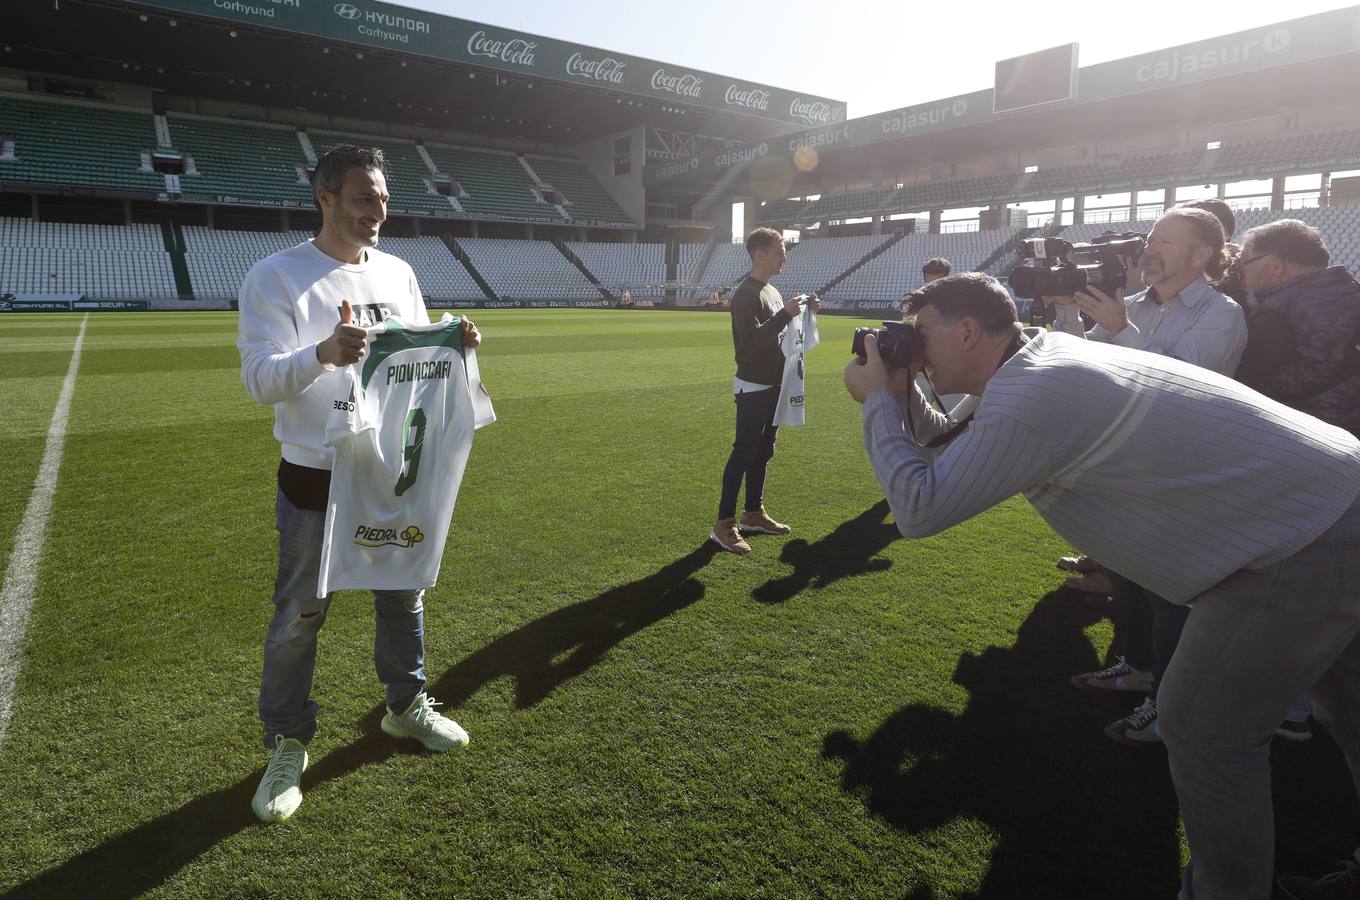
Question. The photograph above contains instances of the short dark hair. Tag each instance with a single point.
(1292, 241)
(1219, 210)
(970, 294)
(937, 266)
(762, 239)
(331, 168)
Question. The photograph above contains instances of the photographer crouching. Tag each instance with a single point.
(1189, 463)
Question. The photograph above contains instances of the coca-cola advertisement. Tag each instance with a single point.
(608, 69)
(813, 112)
(515, 51)
(682, 84)
(749, 98)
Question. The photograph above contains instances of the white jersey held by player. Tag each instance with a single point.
(402, 432)
(800, 337)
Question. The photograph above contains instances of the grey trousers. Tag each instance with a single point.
(1253, 644)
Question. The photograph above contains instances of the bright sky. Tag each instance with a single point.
(875, 54)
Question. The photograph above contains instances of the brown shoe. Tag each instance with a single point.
(1095, 583)
(759, 522)
(726, 536)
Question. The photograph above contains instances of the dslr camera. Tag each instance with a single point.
(1056, 268)
(898, 343)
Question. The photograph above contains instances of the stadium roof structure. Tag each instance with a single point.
(1304, 62)
(378, 61)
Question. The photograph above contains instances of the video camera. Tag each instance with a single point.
(1058, 268)
(898, 343)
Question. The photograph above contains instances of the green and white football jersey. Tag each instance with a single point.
(401, 434)
(800, 337)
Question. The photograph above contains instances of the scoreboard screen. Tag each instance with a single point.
(1036, 79)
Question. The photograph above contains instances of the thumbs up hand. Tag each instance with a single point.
(346, 343)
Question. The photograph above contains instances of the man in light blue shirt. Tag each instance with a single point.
(1180, 315)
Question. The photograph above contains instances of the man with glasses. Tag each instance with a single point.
(1303, 329)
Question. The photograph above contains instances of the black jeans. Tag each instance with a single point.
(1147, 628)
(751, 451)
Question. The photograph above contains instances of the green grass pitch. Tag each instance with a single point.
(842, 713)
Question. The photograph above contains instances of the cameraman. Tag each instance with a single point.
(759, 317)
(1100, 435)
(1181, 314)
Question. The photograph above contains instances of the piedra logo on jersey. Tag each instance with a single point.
(368, 536)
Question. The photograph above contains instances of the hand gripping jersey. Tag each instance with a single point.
(800, 337)
(401, 433)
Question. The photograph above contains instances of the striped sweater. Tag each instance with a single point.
(1169, 474)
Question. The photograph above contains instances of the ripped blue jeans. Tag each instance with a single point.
(286, 704)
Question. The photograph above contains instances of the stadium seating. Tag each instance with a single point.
(109, 261)
(728, 265)
(817, 261)
(788, 211)
(639, 268)
(79, 144)
(239, 160)
(495, 185)
(1317, 151)
(440, 275)
(528, 270)
(586, 199)
(690, 253)
(219, 260)
(898, 269)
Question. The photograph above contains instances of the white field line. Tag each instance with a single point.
(21, 576)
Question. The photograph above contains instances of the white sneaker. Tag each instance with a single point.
(437, 732)
(280, 792)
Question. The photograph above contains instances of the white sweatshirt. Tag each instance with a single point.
(290, 302)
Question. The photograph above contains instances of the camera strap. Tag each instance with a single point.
(962, 425)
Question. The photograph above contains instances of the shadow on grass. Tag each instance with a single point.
(145, 857)
(845, 552)
(1027, 760)
(1073, 814)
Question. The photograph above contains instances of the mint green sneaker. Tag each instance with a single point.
(280, 792)
(437, 732)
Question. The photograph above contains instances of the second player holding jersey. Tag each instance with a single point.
(401, 433)
(800, 337)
